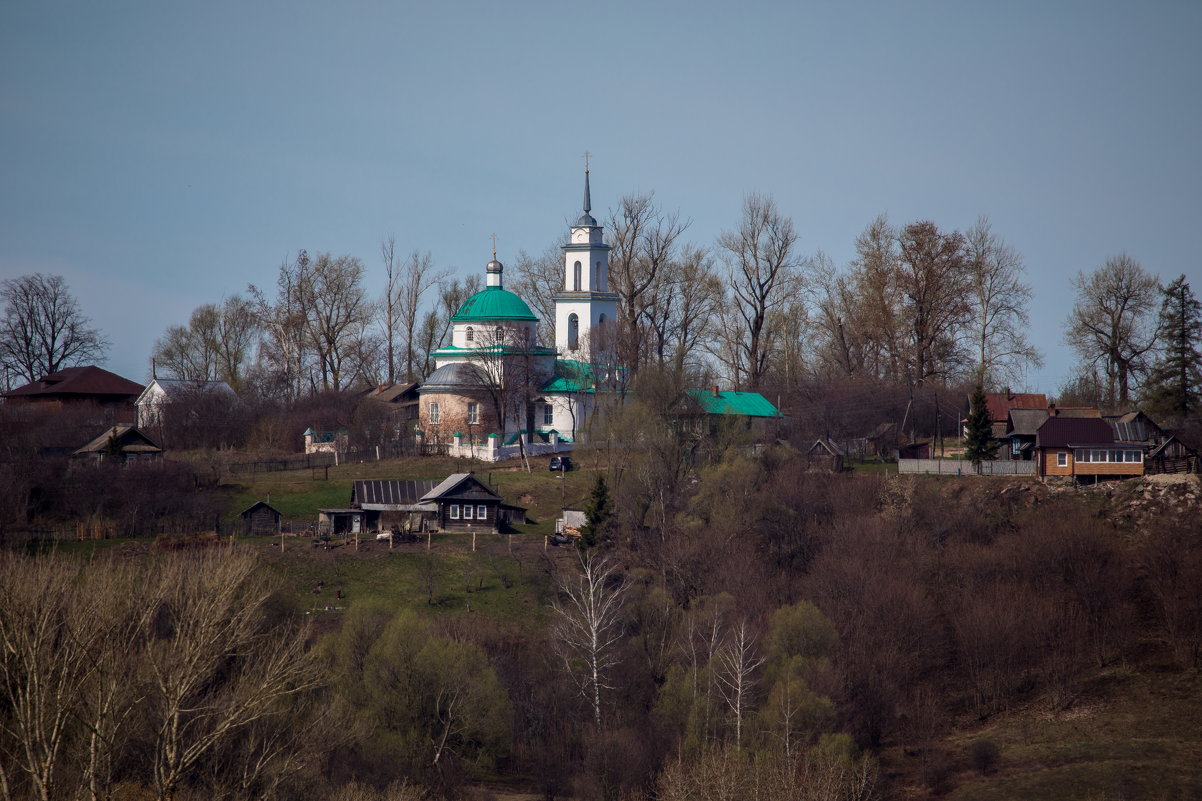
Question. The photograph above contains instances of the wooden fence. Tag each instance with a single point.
(959, 467)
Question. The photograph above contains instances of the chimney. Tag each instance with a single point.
(1052, 411)
(715, 390)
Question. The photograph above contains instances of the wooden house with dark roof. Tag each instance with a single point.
(1077, 447)
(122, 443)
(80, 387)
(460, 502)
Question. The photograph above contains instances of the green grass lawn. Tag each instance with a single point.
(448, 579)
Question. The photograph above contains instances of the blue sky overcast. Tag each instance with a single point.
(163, 155)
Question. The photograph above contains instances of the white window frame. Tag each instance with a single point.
(469, 335)
(467, 511)
(481, 512)
(473, 413)
(435, 413)
(453, 511)
(1062, 459)
(548, 414)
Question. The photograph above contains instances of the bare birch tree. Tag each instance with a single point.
(588, 626)
(737, 664)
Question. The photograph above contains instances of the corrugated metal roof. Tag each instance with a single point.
(744, 404)
(389, 493)
(1025, 422)
(1000, 403)
(1060, 432)
(452, 487)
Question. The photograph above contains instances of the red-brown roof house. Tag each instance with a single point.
(79, 386)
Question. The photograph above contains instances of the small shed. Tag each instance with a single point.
(824, 456)
(260, 520)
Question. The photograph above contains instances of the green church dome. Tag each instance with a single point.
(494, 303)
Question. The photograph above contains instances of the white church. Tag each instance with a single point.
(494, 384)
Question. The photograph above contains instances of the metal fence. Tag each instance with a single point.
(959, 467)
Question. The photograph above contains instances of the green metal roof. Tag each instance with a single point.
(494, 303)
(745, 404)
(571, 376)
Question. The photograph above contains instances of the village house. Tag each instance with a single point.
(460, 502)
(1084, 448)
(89, 387)
(161, 393)
(121, 443)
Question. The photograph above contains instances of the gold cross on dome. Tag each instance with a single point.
(494, 246)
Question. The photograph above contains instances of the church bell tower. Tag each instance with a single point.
(585, 306)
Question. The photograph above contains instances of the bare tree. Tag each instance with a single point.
(763, 269)
(1111, 323)
(937, 285)
(46, 648)
(538, 279)
(680, 308)
(43, 330)
(588, 626)
(643, 240)
(215, 345)
(737, 664)
(999, 308)
(405, 292)
(284, 352)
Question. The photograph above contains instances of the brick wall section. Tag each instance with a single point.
(453, 416)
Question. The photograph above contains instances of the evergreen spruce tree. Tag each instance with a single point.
(979, 443)
(597, 512)
(1173, 390)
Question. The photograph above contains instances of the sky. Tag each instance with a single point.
(162, 155)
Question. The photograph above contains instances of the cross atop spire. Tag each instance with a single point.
(494, 246)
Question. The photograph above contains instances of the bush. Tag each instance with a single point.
(984, 755)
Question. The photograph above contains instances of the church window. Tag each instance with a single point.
(473, 414)
(573, 332)
(470, 335)
(435, 412)
(500, 335)
(601, 320)
(576, 277)
(548, 414)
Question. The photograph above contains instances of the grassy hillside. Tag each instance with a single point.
(299, 494)
(1131, 732)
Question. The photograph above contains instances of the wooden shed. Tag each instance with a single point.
(261, 520)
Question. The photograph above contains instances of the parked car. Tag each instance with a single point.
(563, 463)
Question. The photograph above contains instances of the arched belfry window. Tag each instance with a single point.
(470, 335)
(576, 277)
(574, 329)
(500, 335)
(601, 320)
